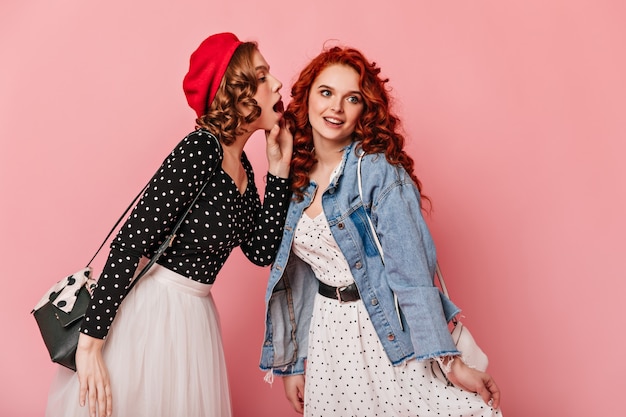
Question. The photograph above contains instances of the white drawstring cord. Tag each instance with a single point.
(378, 245)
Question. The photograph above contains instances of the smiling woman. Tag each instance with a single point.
(157, 350)
(335, 104)
(366, 333)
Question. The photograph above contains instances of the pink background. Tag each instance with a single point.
(516, 118)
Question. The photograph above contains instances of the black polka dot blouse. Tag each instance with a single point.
(221, 220)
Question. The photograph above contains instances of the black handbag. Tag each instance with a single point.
(59, 328)
(59, 314)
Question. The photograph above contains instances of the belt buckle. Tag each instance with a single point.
(338, 291)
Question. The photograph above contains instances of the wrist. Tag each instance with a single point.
(89, 343)
(449, 364)
(279, 171)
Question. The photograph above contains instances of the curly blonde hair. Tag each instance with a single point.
(225, 118)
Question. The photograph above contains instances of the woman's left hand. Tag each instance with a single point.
(476, 381)
(279, 147)
(93, 377)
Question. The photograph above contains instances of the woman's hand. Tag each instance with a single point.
(476, 381)
(93, 376)
(294, 391)
(279, 147)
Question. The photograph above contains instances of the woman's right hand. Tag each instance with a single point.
(93, 377)
(294, 390)
(279, 147)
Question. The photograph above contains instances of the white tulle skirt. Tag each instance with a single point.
(164, 354)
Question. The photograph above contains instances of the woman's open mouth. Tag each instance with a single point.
(279, 107)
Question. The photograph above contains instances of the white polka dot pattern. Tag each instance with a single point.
(221, 220)
(348, 372)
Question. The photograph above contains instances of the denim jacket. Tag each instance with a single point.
(416, 327)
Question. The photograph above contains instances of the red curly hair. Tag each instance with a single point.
(377, 130)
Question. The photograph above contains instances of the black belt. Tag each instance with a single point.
(343, 294)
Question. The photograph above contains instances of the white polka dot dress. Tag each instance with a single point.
(347, 371)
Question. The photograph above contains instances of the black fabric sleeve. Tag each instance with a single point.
(261, 249)
(170, 191)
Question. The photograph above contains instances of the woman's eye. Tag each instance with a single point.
(325, 93)
(262, 79)
(354, 100)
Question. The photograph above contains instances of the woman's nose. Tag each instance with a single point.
(337, 106)
(277, 84)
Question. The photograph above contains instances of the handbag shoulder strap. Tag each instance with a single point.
(438, 273)
(442, 283)
(118, 222)
(167, 242)
(375, 235)
(369, 219)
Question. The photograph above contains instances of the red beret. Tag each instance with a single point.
(207, 66)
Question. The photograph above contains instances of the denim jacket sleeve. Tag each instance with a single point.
(409, 257)
(289, 304)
